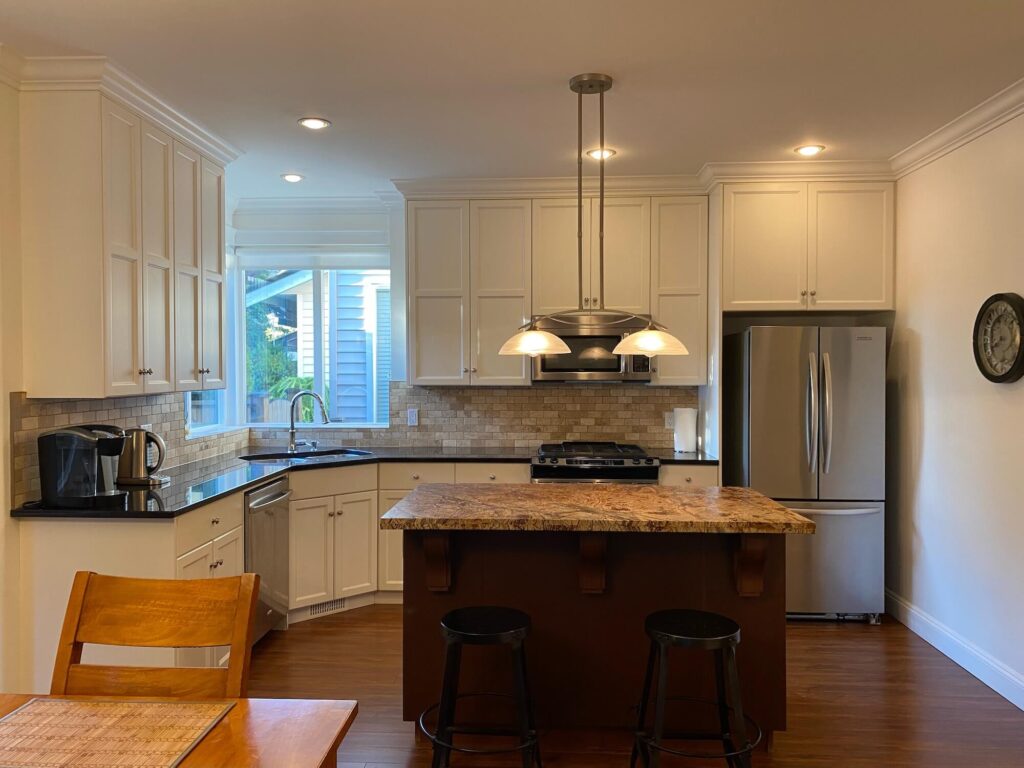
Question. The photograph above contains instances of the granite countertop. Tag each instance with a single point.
(599, 508)
(200, 482)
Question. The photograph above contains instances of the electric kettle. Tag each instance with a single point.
(134, 467)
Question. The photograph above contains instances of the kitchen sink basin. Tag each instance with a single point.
(315, 454)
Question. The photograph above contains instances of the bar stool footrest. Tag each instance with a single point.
(648, 741)
(434, 739)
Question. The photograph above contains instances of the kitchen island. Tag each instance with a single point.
(589, 563)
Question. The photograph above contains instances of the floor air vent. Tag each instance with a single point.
(329, 607)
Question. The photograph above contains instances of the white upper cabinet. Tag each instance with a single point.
(157, 260)
(499, 278)
(121, 281)
(122, 240)
(850, 245)
(627, 254)
(556, 258)
(438, 246)
(679, 285)
(188, 282)
(798, 246)
(765, 246)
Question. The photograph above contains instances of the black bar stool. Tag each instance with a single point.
(708, 632)
(484, 625)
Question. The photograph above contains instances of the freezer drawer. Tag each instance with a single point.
(839, 568)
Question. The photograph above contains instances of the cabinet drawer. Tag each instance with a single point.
(477, 472)
(409, 475)
(195, 528)
(314, 483)
(692, 475)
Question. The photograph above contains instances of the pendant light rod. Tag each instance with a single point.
(579, 195)
(600, 269)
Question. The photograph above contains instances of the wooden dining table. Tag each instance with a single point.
(256, 732)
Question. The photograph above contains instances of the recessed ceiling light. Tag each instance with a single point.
(314, 123)
(292, 178)
(810, 150)
(598, 154)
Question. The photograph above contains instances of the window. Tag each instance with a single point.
(325, 330)
(204, 410)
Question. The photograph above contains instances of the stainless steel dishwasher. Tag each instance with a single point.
(266, 552)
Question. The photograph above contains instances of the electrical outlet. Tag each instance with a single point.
(148, 427)
(413, 415)
(670, 420)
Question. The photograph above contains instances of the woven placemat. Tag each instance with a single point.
(55, 733)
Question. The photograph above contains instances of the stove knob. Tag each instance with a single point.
(541, 460)
(554, 461)
(648, 461)
(636, 461)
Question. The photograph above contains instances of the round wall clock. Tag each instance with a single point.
(997, 341)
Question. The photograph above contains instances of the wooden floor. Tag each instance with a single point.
(859, 696)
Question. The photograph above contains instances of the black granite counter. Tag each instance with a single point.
(200, 482)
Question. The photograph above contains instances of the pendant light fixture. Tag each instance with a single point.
(652, 340)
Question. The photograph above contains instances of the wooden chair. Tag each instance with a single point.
(156, 613)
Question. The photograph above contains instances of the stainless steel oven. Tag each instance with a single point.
(591, 339)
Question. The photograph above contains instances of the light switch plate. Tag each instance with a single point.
(413, 415)
(147, 427)
(670, 420)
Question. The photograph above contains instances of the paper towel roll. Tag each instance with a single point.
(685, 435)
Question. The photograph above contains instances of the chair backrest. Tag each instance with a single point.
(157, 613)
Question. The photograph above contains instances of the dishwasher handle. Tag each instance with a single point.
(271, 501)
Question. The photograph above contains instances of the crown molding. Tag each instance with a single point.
(553, 186)
(11, 66)
(309, 206)
(795, 170)
(98, 73)
(975, 122)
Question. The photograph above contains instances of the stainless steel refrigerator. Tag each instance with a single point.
(804, 423)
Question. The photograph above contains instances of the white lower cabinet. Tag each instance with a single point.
(689, 475)
(389, 546)
(333, 542)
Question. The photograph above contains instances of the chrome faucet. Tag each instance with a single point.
(292, 442)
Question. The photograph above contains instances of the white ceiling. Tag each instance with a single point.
(478, 88)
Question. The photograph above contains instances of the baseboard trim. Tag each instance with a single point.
(340, 605)
(1002, 679)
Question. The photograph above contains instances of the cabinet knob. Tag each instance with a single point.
(465, 370)
(586, 301)
(814, 293)
(493, 477)
(472, 370)
(330, 514)
(689, 479)
(149, 371)
(142, 371)
(214, 521)
(593, 302)
(415, 476)
(803, 293)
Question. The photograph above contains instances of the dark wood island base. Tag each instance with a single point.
(588, 591)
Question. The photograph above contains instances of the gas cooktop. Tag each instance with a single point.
(593, 462)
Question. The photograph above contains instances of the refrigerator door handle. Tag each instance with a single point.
(826, 461)
(811, 417)
(836, 512)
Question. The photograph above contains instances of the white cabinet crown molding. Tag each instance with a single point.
(98, 73)
(543, 187)
(795, 170)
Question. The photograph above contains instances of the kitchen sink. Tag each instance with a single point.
(293, 455)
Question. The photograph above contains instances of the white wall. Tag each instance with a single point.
(10, 377)
(955, 561)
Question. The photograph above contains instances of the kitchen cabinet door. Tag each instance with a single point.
(311, 551)
(438, 244)
(679, 285)
(228, 560)
(355, 544)
(850, 245)
(626, 274)
(555, 261)
(122, 238)
(197, 564)
(389, 547)
(157, 260)
(499, 278)
(764, 244)
(213, 345)
(188, 286)
(212, 217)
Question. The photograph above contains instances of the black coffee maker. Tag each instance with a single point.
(78, 467)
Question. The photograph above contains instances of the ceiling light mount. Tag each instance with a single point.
(592, 82)
(810, 150)
(314, 123)
(292, 178)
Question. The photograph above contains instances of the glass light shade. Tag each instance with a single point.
(650, 342)
(533, 343)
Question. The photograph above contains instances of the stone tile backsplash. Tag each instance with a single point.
(455, 417)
